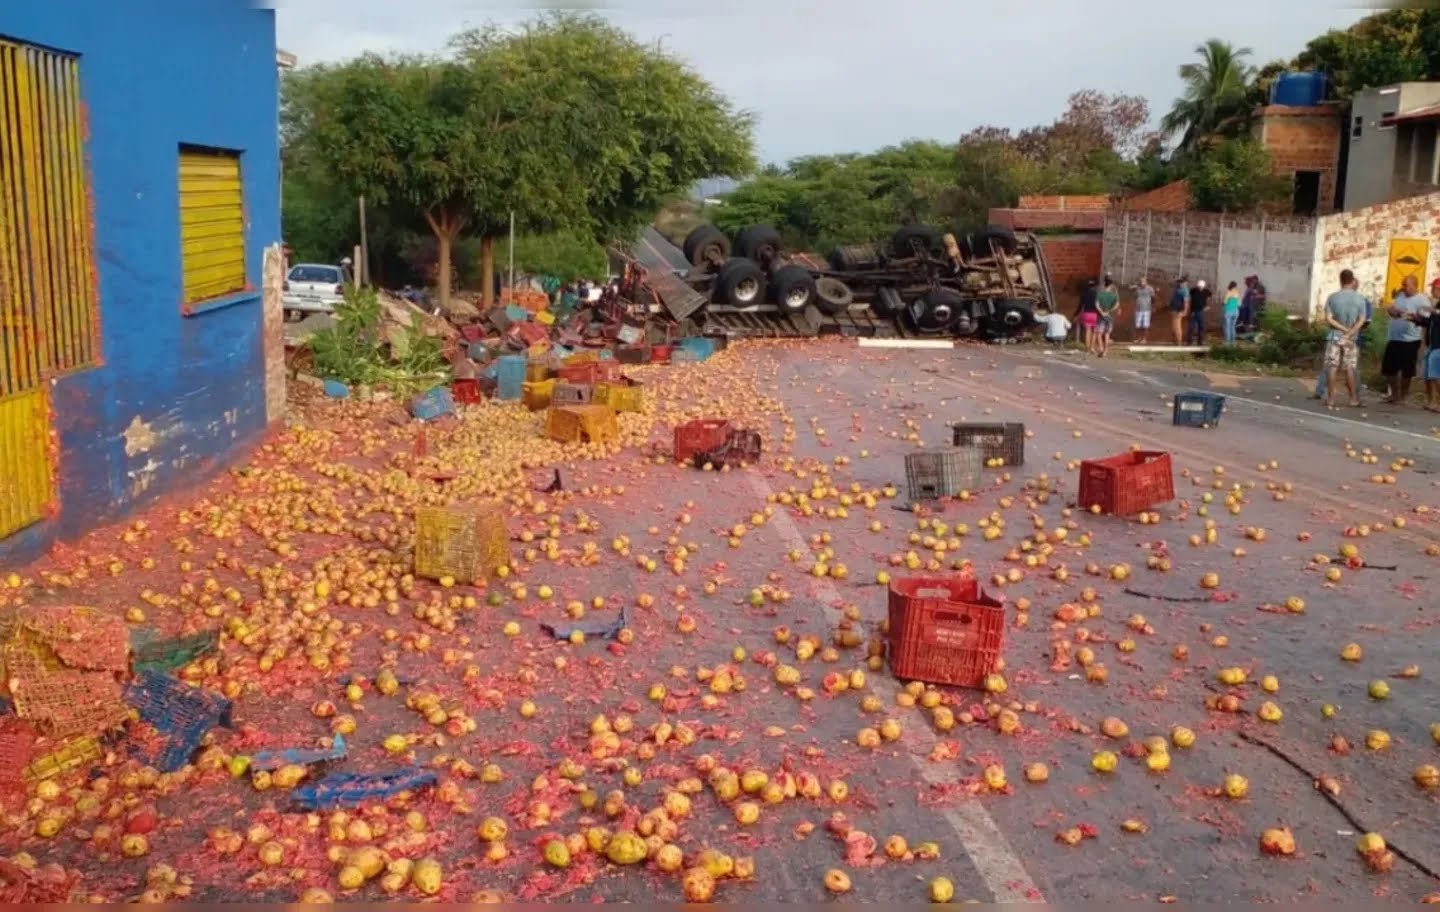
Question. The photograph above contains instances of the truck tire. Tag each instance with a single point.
(904, 241)
(704, 244)
(792, 288)
(833, 296)
(759, 243)
(741, 284)
(980, 240)
(938, 310)
(887, 302)
(1012, 317)
(854, 257)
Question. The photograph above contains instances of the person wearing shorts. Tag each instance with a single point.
(1089, 314)
(1107, 302)
(1432, 350)
(1402, 348)
(1144, 303)
(1345, 316)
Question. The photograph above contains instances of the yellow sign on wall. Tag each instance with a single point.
(1408, 257)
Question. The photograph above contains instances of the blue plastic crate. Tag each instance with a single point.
(699, 346)
(434, 404)
(509, 388)
(1196, 409)
(351, 789)
(336, 390)
(516, 314)
(182, 714)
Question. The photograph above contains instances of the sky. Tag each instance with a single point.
(855, 75)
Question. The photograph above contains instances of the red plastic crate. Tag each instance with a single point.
(660, 354)
(944, 630)
(696, 438)
(465, 392)
(590, 373)
(1127, 484)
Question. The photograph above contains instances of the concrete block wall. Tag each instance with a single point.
(1360, 240)
(1217, 248)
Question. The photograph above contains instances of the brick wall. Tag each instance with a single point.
(1217, 248)
(1047, 219)
(1173, 197)
(1360, 240)
(1091, 203)
(1304, 139)
(1072, 259)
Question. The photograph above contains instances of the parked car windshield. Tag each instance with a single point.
(327, 275)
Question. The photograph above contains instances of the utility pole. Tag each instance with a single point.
(512, 255)
(362, 268)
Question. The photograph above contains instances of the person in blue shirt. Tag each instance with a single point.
(1346, 313)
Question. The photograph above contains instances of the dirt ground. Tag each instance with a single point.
(750, 599)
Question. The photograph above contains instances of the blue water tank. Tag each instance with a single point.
(1298, 90)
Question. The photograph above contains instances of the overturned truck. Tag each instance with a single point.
(991, 285)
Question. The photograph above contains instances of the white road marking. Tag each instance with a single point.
(1367, 426)
(991, 853)
(904, 343)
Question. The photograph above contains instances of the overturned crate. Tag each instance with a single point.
(931, 476)
(466, 544)
(1000, 444)
(582, 424)
(64, 669)
(538, 396)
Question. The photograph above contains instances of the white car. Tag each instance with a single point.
(314, 288)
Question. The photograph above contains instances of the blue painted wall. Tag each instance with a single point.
(156, 74)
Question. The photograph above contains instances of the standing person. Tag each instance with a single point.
(1144, 303)
(1195, 313)
(1322, 380)
(1402, 347)
(1107, 302)
(1179, 307)
(1231, 312)
(1432, 350)
(1345, 316)
(1089, 314)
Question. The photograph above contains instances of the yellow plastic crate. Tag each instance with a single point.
(582, 424)
(466, 544)
(581, 357)
(536, 370)
(74, 752)
(622, 397)
(545, 318)
(537, 396)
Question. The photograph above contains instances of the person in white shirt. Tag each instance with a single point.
(1057, 328)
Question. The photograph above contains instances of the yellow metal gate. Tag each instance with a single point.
(47, 289)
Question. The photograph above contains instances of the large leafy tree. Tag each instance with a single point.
(629, 126)
(1236, 176)
(568, 123)
(1216, 101)
(438, 140)
(1394, 46)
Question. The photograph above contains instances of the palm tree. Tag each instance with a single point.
(1215, 101)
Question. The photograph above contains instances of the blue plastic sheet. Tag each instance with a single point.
(299, 756)
(348, 789)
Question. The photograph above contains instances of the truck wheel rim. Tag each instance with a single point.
(941, 313)
(1012, 318)
(797, 298)
(747, 291)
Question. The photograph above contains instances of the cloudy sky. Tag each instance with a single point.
(853, 75)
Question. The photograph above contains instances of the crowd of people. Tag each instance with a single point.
(1100, 309)
(1412, 342)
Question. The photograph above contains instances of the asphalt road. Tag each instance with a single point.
(833, 408)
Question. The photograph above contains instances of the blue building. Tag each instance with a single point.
(139, 188)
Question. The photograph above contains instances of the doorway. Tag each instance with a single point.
(1307, 193)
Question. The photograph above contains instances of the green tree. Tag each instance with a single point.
(438, 139)
(564, 255)
(1236, 176)
(624, 125)
(1215, 101)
